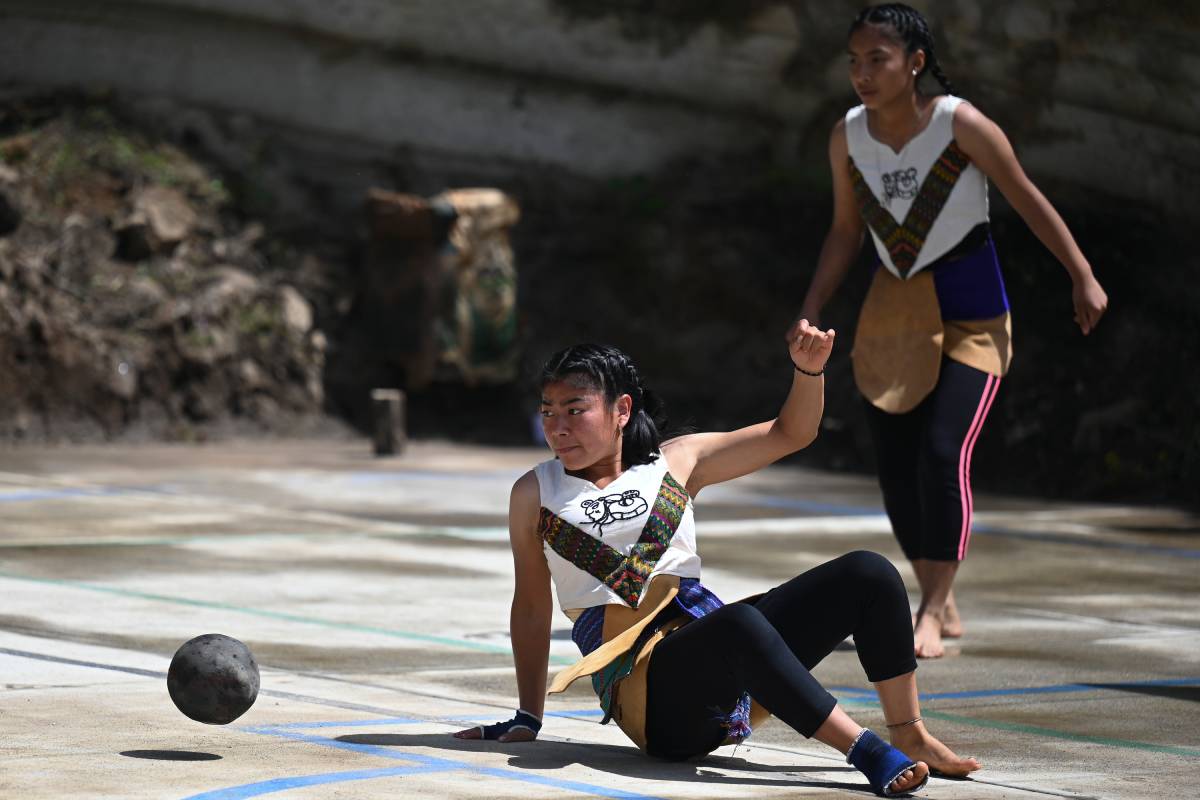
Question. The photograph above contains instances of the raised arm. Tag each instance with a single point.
(702, 459)
(531, 611)
(845, 236)
(990, 150)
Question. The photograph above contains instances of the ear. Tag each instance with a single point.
(624, 409)
(917, 61)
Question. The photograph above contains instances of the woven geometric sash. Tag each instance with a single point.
(904, 242)
(625, 575)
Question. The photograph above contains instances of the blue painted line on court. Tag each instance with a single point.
(835, 509)
(299, 781)
(422, 764)
(34, 495)
(852, 694)
(1061, 689)
(367, 478)
(857, 695)
(793, 504)
(829, 509)
(482, 647)
(354, 723)
(1104, 544)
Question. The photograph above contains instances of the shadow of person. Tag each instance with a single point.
(624, 760)
(171, 755)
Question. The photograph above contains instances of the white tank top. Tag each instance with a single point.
(895, 179)
(622, 532)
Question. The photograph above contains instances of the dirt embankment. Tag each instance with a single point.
(133, 300)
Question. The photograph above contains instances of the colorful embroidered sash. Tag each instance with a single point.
(625, 575)
(904, 242)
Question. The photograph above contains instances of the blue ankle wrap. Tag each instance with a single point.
(523, 719)
(881, 763)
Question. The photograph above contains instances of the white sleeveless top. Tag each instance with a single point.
(615, 516)
(895, 179)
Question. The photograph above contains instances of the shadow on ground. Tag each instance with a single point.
(618, 760)
(171, 755)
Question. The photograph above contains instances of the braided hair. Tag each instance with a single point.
(911, 29)
(612, 373)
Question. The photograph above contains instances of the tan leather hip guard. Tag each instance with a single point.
(898, 344)
(622, 626)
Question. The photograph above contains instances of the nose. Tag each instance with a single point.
(859, 75)
(555, 425)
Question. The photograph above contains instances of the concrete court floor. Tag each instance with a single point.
(374, 595)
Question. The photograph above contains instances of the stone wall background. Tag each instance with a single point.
(609, 88)
(669, 162)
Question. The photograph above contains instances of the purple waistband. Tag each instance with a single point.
(970, 286)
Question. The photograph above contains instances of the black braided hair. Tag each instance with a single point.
(911, 29)
(612, 373)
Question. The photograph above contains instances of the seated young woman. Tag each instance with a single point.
(609, 522)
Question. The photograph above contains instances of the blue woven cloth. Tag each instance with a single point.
(695, 600)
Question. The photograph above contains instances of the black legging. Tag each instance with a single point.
(766, 648)
(925, 462)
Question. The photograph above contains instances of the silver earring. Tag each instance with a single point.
(914, 72)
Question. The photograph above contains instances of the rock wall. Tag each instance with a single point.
(1098, 96)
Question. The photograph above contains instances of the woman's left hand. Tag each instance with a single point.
(1090, 303)
(809, 346)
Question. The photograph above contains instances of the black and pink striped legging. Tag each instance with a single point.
(924, 459)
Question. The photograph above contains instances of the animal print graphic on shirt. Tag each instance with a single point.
(614, 507)
(625, 574)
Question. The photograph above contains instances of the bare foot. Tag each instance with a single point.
(910, 778)
(952, 627)
(920, 745)
(927, 637)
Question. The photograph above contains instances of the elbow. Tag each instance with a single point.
(797, 437)
(849, 231)
(805, 438)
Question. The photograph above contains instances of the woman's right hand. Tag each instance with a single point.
(1090, 303)
(810, 346)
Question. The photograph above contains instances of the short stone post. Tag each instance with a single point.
(387, 417)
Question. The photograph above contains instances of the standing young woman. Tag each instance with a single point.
(934, 333)
(609, 522)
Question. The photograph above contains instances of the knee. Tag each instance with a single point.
(745, 627)
(941, 453)
(868, 568)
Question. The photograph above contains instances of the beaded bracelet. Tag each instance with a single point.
(810, 374)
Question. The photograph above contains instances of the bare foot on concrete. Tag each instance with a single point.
(920, 745)
(927, 637)
(952, 627)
